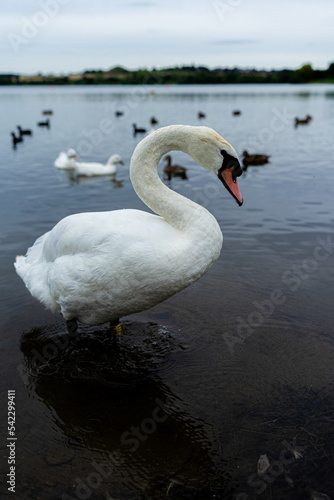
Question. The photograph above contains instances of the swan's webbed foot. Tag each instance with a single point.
(115, 328)
(72, 326)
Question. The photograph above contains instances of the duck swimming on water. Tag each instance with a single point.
(90, 169)
(24, 131)
(16, 139)
(254, 159)
(173, 170)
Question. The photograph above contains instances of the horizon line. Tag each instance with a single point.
(154, 68)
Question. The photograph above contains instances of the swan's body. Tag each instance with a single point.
(91, 168)
(66, 161)
(98, 267)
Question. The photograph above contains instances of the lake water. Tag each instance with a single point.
(237, 366)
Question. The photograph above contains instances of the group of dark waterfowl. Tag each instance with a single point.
(247, 159)
(139, 130)
(260, 159)
(235, 112)
(171, 171)
(22, 132)
(154, 121)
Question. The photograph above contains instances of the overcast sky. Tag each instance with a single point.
(65, 36)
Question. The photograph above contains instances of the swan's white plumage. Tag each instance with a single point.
(92, 168)
(98, 267)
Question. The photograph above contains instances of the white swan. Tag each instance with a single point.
(98, 267)
(90, 168)
(66, 161)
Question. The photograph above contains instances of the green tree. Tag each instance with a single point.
(330, 70)
(305, 73)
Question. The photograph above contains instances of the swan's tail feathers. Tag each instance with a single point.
(20, 264)
(22, 268)
(35, 278)
(34, 254)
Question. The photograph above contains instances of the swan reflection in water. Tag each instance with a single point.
(119, 419)
(81, 180)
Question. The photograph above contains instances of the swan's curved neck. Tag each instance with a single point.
(179, 211)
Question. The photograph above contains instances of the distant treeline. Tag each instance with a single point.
(184, 74)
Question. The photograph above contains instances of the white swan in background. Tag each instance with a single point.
(66, 161)
(97, 267)
(91, 168)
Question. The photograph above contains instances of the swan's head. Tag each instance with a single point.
(219, 157)
(71, 154)
(114, 160)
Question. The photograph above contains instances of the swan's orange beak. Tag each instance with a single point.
(229, 179)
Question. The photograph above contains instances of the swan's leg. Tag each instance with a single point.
(72, 325)
(115, 327)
